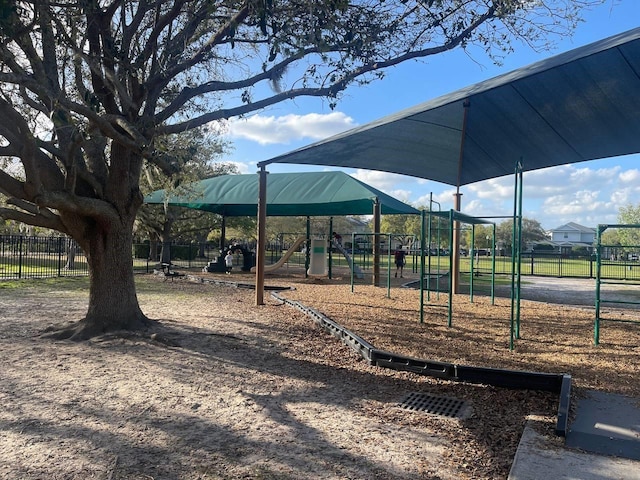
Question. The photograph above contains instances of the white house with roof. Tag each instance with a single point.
(570, 235)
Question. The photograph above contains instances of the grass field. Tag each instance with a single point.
(42, 265)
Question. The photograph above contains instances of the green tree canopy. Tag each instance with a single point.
(629, 237)
(195, 152)
(532, 231)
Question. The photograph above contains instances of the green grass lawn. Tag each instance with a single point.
(29, 266)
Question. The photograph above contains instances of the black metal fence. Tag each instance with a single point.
(40, 257)
(561, 265)
(147, 255)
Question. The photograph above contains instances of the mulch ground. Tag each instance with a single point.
(226, 389)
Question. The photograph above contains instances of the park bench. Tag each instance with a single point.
(169, 272)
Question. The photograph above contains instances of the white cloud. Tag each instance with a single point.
(267, 130)
(495, 189)
(402, 195)
(566, 180)
(630, 176)
(444, 198)
(475, 208)
(621, 196)
(384, 181)
(243, 168)
(578, 204)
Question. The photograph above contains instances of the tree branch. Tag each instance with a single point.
(216, 86)
(330, 90)
(36, 219)
(64, 201)
(157, 83)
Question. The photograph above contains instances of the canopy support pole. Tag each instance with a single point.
(423, 246)
(223, 233)
(376, 241)
(262, 233)
(455, 246)
(516, 257)
(331, 240)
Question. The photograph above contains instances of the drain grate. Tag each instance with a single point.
(424, 402)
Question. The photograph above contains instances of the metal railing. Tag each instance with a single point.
(40, 257)
(24, 256)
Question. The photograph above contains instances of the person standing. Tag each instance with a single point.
(228, 262)
(400, 257)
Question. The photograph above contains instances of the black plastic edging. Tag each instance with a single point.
(356, 343)
(408, 364)
(497, 377)
(229, 283)
(562, 423)
(549, 382)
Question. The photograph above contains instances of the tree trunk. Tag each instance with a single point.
(153, 250)
(165, 235)
(113, 303)
(71, 254)
(165, 253)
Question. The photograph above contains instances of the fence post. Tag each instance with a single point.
(532, 262)
(59, 256)
(20, 257)
(560, 265)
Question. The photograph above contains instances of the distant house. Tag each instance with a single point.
(570, 235)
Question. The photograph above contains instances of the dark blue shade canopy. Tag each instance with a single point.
(577, 106)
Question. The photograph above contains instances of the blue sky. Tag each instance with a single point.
(587, 193)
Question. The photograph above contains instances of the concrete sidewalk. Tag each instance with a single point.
(542, 458)
(603, 443)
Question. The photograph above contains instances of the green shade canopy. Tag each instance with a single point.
(577, 106)
(288, 194)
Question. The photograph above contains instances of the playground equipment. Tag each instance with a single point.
(280, 263)
(621, 267)
(248, 260)
(357, 271)
(318, 258)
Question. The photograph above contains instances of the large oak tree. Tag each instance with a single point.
(89, 87)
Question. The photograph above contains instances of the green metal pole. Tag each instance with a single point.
(353, 261)
(307, 259)
(438, 264)
(422, 246)
(513, 264)
(471, 261)
(451, 274)
(493, 266)
(330, 246)
(519, 277)
(596, 326)
(428, 245)
(389, 265)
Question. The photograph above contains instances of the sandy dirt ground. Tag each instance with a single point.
(224, 389)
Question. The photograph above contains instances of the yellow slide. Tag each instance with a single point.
(294, 248)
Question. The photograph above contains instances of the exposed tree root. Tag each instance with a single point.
(87, 329)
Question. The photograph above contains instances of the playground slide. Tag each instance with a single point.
(294, 248)
(357, 271)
